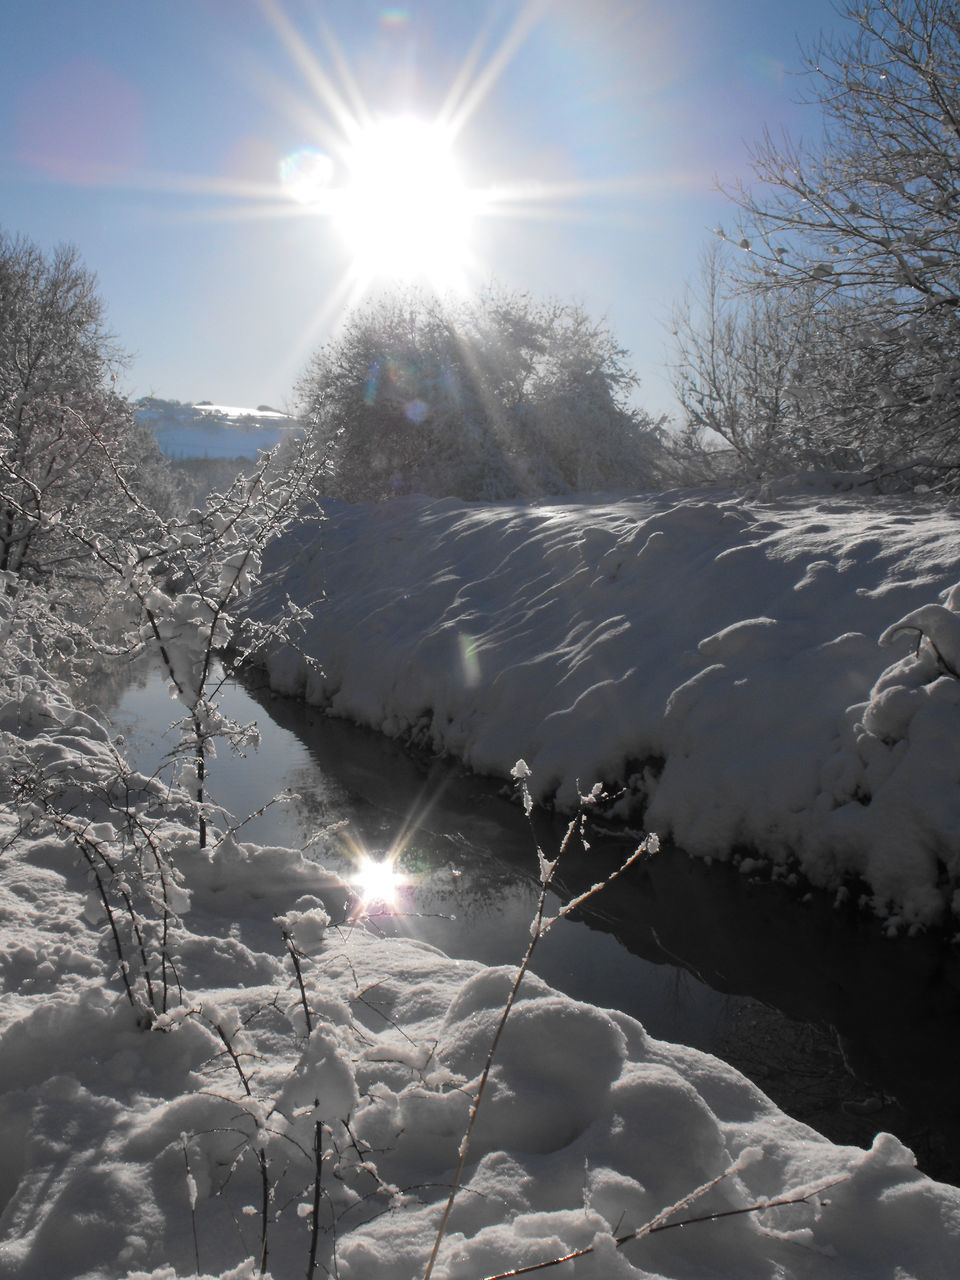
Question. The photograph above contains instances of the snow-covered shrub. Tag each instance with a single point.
(71, 789)
(895, 778)
(175, 590)
(184, 583)
(494, 397)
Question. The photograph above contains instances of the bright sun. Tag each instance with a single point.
(405, 210)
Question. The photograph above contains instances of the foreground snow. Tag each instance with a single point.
(146, 1153)
(286, 1093)
(718, 656)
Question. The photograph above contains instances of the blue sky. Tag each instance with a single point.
(151, 135)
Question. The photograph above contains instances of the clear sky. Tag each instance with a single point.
(584, 138)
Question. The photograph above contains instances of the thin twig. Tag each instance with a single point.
(192, 1195)
(488, 1065)
(264, 1207)
(538, 929)
(317, 1183)
(295, 956)
(656, 1225)
(234, 1056)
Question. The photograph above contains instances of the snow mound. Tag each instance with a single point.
(133, 1153)
(301, 1099)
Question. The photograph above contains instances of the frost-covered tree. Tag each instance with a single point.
(861, 231)
(735, 369)
(493, 397)
(183, 586)
(784, 380)
(60, 414)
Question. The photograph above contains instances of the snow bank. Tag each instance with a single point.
(716, 655)
(278, 1112)
(133, 1153)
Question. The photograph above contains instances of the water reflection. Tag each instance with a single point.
(841, 1027)
(844, 1028)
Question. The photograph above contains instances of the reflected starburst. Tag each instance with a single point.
(378, 882)
(382, 884)
(377, 878)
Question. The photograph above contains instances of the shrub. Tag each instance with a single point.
(491, 398)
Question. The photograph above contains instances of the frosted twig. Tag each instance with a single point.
(657, 1224)
(538, 928)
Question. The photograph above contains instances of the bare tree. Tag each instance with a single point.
(788, 380)
(59, 410)
(863, 229)
(737, 368)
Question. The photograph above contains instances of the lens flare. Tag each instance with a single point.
(416, 411)
(305, 175)
(469, 659)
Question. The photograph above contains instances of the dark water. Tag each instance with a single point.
(845, 1029)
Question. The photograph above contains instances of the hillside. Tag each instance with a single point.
(213, 430)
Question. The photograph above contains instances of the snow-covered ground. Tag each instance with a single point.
(160, 1153)
(715, 654)
(212, 1142)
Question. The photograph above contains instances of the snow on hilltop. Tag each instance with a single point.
(715, 654)
(262, 413)
(208, 430)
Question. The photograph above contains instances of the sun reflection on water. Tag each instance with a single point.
(378, 882)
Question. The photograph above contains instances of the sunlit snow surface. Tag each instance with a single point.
(135, 1154)
(716, 653)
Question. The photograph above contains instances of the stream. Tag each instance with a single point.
(843, 1028)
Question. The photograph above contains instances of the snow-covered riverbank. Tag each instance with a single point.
(147, 1154)
(244, 1114)
(716, 654)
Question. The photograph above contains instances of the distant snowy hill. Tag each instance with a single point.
(214, 430)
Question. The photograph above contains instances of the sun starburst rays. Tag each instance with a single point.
(392, 186)
(391, 194)
(472, 86)
(347, 116)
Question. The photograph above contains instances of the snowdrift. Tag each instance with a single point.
(284, 1116)
(143, 1154)
(715, 655)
